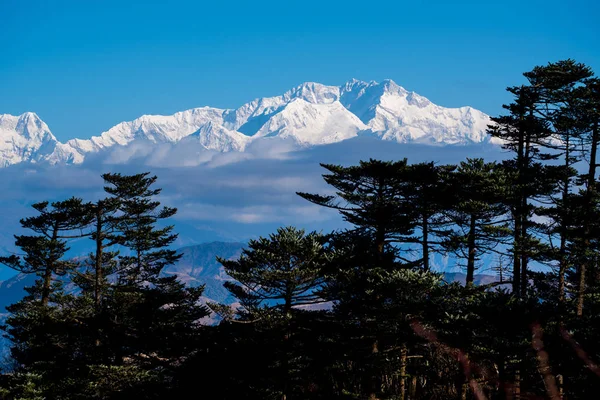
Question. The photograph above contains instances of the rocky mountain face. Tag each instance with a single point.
(310, 114)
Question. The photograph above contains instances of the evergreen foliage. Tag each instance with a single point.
(477, 212)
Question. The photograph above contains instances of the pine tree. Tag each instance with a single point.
(428, 195)
(282, 271)
(128, 329)
(102, 261)
(273, 279)
(524, 133)
(151, 319)
(44, 252)
(38, 325)
(372, 197)
(560, 86)
(92, 281)
(587, 217)
(477, 212)
(139, 213)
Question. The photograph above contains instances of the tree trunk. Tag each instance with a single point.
(517, 386)
(562, 260)
(525, 213)
(591, 188)
(524, 246)
(502, 389)
(413, 388)
(471, 255)
(287, 309)
(374, 381)
(47, 284)
(518, 214)
(99, 256)
(516, 283)
(98, 268)
(425, 243)
(403, 362)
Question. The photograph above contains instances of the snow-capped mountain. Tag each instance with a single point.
(24, 138)
(310, 114)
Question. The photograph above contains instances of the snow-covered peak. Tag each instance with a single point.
(315, 93)
(28, 125)
(354, 85)
(155, 128)
(394, 113)
(250, 117)
(391, 87)
(214, 136)
(24, 138)
(313, 124)
(310, 114)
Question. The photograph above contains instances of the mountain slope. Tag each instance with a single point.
(310, 114)
(396, 114)
(312, 123)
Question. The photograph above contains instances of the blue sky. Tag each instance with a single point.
(84, 66)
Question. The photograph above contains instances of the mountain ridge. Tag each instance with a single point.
(310, 114)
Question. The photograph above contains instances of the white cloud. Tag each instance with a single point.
(220, 196)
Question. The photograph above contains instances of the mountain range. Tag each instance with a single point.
(309, 114)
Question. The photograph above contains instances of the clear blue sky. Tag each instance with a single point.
(84, 66)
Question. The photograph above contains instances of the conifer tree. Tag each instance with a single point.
(139, 213)
(115, 337)
(153, 317)
(525, 134)
(586, 240)
(560, 86)
(102, 261)
(275, 276)
(372, 197)
(38, 323)
(282, 271)
(44, 252)
(428, 195)
(93, 282)
(477, 212)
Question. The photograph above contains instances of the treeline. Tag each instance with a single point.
(352, 314)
